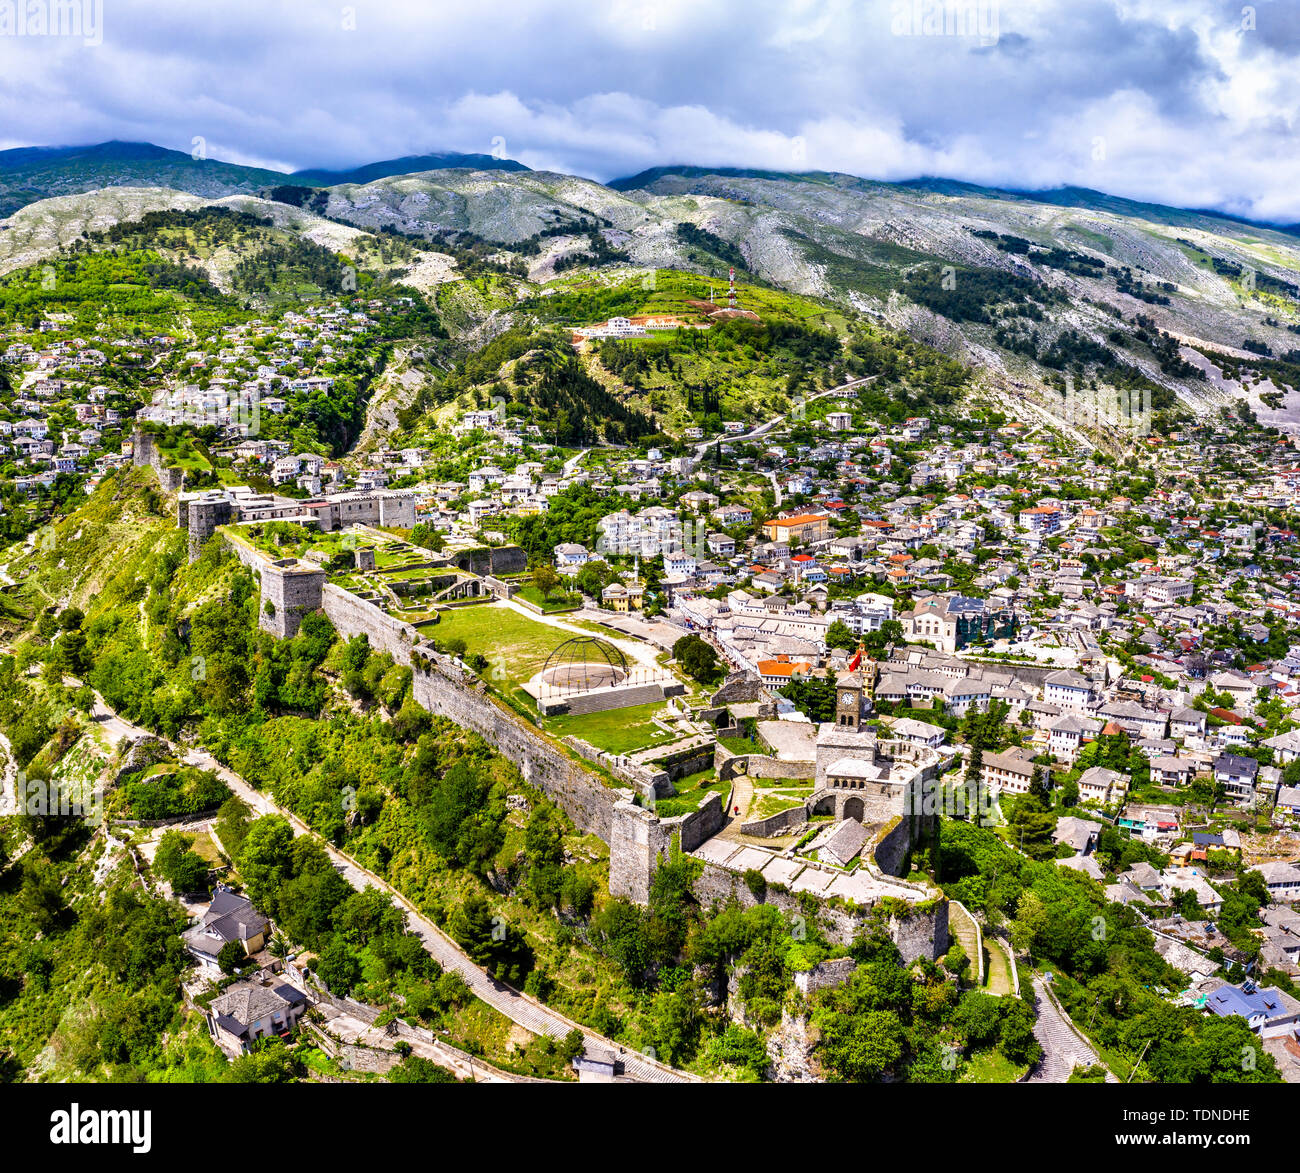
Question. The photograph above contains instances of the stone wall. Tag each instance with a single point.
(683, 762)
(921, 932)
(701, 824)
(825, 974)
(893, 843)
(353, 616)
(639, 840)
(144, 451)
(739, 688)
(757, 765)
(484, 560)
(648, 782)
(445, 689)
(777, 824)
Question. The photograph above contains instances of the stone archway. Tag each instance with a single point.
(853, 808)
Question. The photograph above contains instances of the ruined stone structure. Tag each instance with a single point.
(200, 517)
(739, 688)
(917, 924)
(145, 452)
(201, 513)
(494, 560)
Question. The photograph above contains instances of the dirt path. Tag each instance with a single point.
(8, 774)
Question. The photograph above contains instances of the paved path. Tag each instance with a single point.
(347, 1029)
(635, 650)
(519, 1008)
(573, 461)
(962, 926)
(1063, 1047)
(742, 794)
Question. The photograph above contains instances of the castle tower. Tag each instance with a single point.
(850, 689)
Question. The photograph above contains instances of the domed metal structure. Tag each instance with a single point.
(582, 663)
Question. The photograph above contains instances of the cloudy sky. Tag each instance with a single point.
(1185, 102)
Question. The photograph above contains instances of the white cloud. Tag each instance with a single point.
(1190, 108)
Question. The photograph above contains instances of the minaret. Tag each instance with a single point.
(731, 289)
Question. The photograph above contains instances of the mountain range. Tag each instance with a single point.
(1025, 287)
(28, 174)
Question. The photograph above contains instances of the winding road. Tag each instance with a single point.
(519, 1008)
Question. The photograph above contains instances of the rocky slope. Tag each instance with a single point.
(1101, 267)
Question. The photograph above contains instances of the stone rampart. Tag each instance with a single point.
(919, 930)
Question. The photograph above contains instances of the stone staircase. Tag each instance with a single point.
(1063, 1046)
(623, 698)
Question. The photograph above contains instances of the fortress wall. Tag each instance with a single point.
(446, 690)
(637, 838)
(777, 824)
(922, 932)
(758, 765)
(353, 616)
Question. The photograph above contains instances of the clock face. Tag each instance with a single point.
(846, 698)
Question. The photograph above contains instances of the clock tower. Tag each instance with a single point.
(848, 700)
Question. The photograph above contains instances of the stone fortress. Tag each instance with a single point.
(876, 790)
(203, 512)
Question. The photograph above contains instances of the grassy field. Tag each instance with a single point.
(691, 791)
(991, 1066)
(517, 647)
(559, 601)
(615, 730)
(771, 802)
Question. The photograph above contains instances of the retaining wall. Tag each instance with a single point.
(921, 933)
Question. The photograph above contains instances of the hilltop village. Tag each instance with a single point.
(729, 723)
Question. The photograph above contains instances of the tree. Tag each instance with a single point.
(860, 1047)
(264, 860)
(177, 862)
(545, 579)
(338, 967)
(1029, 923)
(814, 697)
(696, 657)
(838, 635)
(232, 957)
(416, 1069)
(272, 1062)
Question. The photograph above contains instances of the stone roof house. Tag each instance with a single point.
(230, 917)
(248, 1011)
